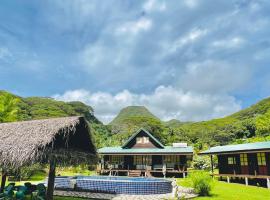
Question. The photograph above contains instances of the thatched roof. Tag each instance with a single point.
(67, 140)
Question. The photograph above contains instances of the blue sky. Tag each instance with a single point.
(189, 59)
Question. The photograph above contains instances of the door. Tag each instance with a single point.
(244, 163)
(252, 164)
(128, 162)
(262, 165)
(157, 162)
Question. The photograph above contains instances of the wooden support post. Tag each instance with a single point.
(268, 183)
(3, 181)
(228, 179)
(51, 179)
(184, 175)
(212, 165)
(246, 180)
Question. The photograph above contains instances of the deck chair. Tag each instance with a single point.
(41, 192)
(21, 193)
(8, 192)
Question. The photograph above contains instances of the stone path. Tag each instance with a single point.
(117, 196)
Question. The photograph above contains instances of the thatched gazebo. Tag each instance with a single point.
(57, 141)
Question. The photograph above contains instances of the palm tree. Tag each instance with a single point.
(8, 107)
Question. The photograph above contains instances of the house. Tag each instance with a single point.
(143, 154)
(246, 162)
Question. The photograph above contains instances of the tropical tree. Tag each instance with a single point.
(8, 107)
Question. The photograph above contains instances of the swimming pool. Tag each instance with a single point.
(122, 185)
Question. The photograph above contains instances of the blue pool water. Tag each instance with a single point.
(120, 185)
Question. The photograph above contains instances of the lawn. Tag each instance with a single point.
(233, 191)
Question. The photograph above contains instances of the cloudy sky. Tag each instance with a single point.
(188, 59)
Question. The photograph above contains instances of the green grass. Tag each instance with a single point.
(232, 191)
(68, 198)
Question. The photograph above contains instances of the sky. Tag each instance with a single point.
(190, 60)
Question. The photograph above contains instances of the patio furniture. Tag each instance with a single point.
(158, 167)
(8, 192)
(170, 166)
(21, 192)
(140, 167)
(40, 194)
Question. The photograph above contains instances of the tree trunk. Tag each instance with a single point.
(3, 182)
(50, 188)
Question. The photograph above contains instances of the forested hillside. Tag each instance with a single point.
(41, 108)
(250, 124)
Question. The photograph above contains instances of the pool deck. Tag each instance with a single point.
(119, 196)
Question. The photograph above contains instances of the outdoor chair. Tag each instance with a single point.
(158, 167)
(170, 166)
(21, 192)
(8, 192)
(40, 193)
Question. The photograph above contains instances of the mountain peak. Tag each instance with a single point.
(132, 111)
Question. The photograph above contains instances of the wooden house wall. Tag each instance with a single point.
(251, 169)
(267, 157)
(225, 167)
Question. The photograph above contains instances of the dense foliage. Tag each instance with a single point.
(8, 107)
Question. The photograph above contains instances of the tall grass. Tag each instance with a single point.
(202, 182)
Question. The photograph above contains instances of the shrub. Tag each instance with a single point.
(201, 162)
(202, 182)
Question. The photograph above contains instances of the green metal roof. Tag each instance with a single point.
(149, 134)
(134, 151)
(238, 148)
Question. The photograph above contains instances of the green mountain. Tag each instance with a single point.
(174, 123)
(130, 112)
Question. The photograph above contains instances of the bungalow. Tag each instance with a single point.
(143, 154)
(243, 161)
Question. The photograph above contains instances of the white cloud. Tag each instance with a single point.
(4, 53)
(152, 5)
(213, 76)
(189, 38)
(234, 42)
(134, 27)
(165, 102)
(191, 3)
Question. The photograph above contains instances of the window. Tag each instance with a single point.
(139, 140)
(117, 159)
(243, 159)
(171, 159)
(261, 159)
(146, 140)
(142, 140)
(231, 160)
(142, 160)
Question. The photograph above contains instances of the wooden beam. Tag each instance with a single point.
(212, 165)
(3, 181)
(243, 176)
(51, 180)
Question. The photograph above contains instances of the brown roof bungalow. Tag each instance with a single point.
(143, 154)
